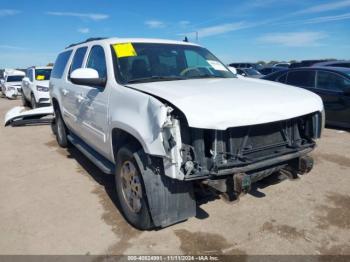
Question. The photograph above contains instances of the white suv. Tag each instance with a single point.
(166, 117)
(35, 87)
(11, 83)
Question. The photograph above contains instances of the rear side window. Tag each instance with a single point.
(97, 61)
(78, 58)
(60, 64)
(331, 81)
(301, 78)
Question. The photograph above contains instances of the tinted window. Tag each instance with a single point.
(60, 64)
(78, 58)
(331, 81)
(14, 78)
(301, 78)
(97, 61)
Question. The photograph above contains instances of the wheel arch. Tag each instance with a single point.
(120, 138)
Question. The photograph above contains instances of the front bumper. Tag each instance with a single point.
(256, 167)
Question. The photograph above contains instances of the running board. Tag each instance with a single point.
(101, 162)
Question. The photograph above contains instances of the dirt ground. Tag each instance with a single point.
(54, 201)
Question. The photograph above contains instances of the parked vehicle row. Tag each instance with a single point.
(331, 83)
(32, 85)
(166, 117)
(265, 70)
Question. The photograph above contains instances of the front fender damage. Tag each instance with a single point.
(167, 129)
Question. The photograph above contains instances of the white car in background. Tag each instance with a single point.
(11, 83)
(35, 87)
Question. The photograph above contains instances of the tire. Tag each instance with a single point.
(33, 102)
(131, 192)
(24, 101)
(60, 130)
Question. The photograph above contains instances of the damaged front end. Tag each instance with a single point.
(234, 158)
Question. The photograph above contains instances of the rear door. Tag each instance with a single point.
(331, 86)
(71, 91)
(59, 83)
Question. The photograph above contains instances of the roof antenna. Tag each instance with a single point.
(186, 39)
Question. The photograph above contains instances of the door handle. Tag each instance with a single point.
(65, 92)
(80, 98)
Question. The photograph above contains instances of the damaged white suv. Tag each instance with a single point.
(166, 117)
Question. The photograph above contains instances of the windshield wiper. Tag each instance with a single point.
(155, 78)
(205, 76)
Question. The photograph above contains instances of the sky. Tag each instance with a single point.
(34, 32)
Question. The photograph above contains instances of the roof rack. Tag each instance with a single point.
(87, 40)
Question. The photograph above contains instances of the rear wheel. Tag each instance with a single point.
(61, 130)
(33, 102)
(131, 191)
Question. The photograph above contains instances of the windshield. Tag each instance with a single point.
(14, 78)
(148, 62)
(42, 74)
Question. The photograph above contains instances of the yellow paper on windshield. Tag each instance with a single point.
(124, 50)
(40, 77)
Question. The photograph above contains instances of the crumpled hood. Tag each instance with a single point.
(231, 102)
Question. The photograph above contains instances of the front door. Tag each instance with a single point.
(92, 115)
(330, 86)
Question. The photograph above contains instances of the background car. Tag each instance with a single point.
(285, 65)
(11, 83)
(331, 83)
(271, 69)
(35, 87)
(247, 65)
(343, 63)
(249, 72)
(306, 63)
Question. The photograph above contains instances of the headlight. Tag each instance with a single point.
(11, 88)
(42, 88)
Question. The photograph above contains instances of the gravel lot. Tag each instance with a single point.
(54, 201)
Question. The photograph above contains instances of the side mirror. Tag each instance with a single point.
(233, 70)
(25, 79)
(87, 77)
(2, 81)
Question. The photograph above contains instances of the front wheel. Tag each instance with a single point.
(131, 191)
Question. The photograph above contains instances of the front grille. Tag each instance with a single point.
(215, 150)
